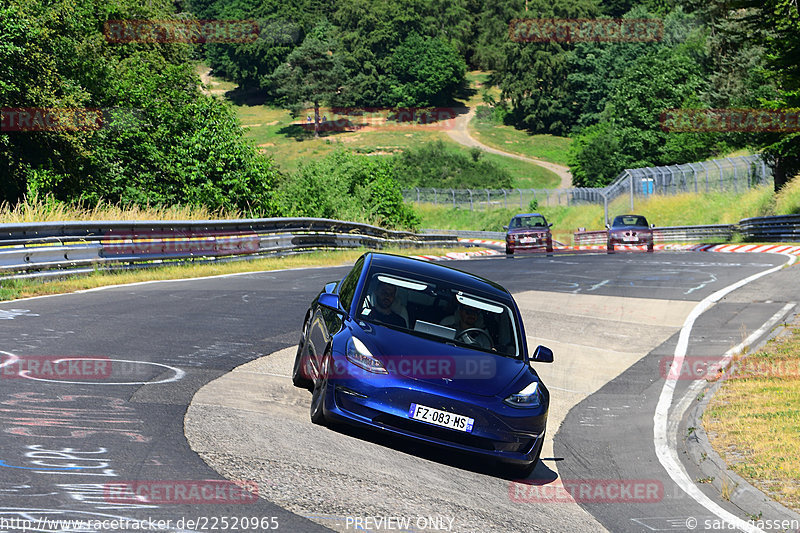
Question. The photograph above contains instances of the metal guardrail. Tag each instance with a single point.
(785, 228)
(722, 232)
(57, 248)
(469, 234)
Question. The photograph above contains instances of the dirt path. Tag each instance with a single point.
(460, 134)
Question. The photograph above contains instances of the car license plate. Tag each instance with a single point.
(441, 418)
(628, 238)
(527, 240)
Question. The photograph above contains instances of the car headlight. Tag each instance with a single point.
(530, 396)
(359, 355)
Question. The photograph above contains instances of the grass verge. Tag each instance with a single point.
(509, 139)
(25, 288)
(753, 421)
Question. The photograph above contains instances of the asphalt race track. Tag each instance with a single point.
(70, 446)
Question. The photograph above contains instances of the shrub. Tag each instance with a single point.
(436, 165)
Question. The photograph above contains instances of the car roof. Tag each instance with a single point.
(434, 270)
(529, 215)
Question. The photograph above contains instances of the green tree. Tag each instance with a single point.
(425, 72)
(534, 76)
(312, 73)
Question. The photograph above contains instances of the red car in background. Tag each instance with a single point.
(529, 231)
(630, 229)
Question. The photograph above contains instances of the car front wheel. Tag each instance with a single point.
(318, 395)
(299, 378)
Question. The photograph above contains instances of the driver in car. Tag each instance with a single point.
(384, 298)
(468, 323)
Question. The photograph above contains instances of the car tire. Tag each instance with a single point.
(509, 253)
(299, 378)
(549, 250)
(610, 248)
(318, 395)
(650, 246)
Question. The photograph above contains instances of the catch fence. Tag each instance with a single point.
(731, 174)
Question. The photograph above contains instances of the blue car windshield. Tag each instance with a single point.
(438, 310)
(535, 221)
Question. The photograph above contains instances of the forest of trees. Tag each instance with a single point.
(171, 143)
(608, 96)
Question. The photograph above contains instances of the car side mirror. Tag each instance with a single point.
(608, 226)
(550, 225)
(542, 354)
(505, 228)
(652, 225)
(331, 301)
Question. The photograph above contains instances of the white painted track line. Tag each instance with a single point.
(667, 454)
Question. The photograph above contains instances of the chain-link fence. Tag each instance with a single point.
(731, 174)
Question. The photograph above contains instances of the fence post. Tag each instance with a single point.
(470, 199)
(706, 169)
(719, 167)
(505, 199)
(735, 174)
(454, 197)
(488, 200)
(435, 199)
(630, 180)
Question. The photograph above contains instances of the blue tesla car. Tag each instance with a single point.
(420, 350)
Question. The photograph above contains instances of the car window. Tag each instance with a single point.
(630, 220)
(438, 310)
(528, 222)
(347, 287)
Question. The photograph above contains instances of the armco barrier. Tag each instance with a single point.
(719, 232)
(785, 228)
(46, 249)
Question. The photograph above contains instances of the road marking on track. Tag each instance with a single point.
(662, 429)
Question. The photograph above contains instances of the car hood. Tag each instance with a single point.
(439, 363)
(528, 230)
(629, 228)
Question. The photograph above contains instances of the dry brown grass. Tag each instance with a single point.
(47, 209)
(754, 418)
